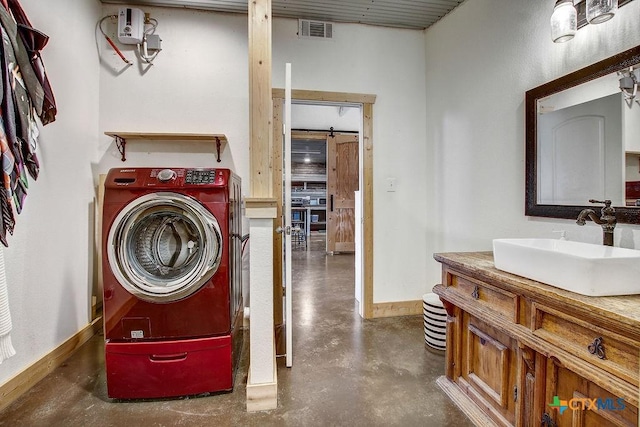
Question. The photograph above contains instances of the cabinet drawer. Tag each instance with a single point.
(159, 369)
(603, 348)
(481, 296)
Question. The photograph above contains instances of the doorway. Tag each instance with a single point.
(364, 247)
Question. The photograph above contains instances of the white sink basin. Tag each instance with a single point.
(584, 268)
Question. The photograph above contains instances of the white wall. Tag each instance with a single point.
(48, 262)
(322, 117)
(481, 59)
(389, 63)
(198, 84)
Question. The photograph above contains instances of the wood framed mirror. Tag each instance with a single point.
(555, 176)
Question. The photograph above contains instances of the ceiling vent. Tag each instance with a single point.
(314, 29)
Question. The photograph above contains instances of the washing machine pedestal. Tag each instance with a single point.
(159, 369)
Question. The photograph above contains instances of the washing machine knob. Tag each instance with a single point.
(166, 175)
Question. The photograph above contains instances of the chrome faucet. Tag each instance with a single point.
(607, 220)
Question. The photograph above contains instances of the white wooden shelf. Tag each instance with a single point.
(122, 137)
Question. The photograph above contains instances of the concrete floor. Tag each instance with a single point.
(346, 372)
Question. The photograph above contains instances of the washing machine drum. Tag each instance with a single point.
(164, 246)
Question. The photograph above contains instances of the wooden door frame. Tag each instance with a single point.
(366, 101)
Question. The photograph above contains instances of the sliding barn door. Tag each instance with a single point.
(342, 182)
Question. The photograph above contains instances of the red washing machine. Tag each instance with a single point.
(172, 268)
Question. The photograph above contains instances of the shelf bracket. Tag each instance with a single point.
(121, 145)
(218, 145)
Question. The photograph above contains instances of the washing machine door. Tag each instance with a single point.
(164, 246)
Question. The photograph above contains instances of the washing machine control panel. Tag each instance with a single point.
(137, 178)
(200, 176)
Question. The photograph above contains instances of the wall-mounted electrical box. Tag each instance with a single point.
(154, 43)
(130, 25)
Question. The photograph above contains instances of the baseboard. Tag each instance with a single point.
(264, 396)
(466, 405)
(398, 308)
(16, 386)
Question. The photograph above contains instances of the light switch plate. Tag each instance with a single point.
(391, 184)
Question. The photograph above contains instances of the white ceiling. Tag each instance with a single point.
(389, 13)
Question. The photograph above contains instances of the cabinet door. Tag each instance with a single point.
(573, 401)
(489, 369)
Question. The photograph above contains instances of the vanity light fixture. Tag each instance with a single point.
(564, 21)
(599, 11)
(570, 15)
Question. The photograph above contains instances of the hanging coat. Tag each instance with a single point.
(24, 92)
(27, 93)
(11, 102)
(34, 41)
(7, 219)
(34, 88)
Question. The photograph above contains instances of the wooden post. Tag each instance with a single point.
(260, 103)
(262, 383)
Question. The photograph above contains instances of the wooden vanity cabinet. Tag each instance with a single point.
(514, 344)
(488, 373)
(563, 382)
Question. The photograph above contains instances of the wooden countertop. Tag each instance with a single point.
(622, 309)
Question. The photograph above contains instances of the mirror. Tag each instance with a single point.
(583, 142)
